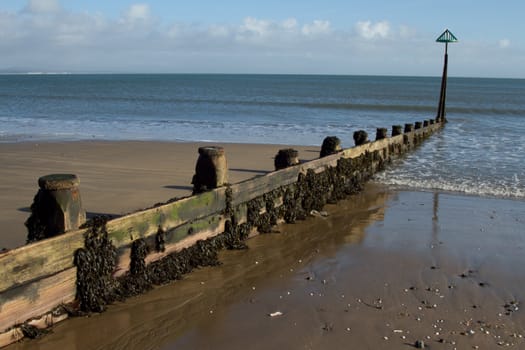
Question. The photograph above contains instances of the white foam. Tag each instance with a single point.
(510, 188)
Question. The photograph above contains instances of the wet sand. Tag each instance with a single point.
(384, 270)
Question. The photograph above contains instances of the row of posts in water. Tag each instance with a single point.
(57, 206)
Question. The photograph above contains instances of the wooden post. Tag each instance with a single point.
(285, 158)
(211, 170)
(417, 125)
(57, 207)
(409, 128)
(381, 133)
(396, 130)
(360, 137)
(331, 145)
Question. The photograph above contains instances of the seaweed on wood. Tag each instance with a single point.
(255, 217)
(41, 210)
(313, 191)
(262, 212)
(203, 253)
(170, 268)
(234, 236)
(160, 240)
(229, 210)
(292, 209)
(137, 280)
(32, 332)
(315, 188)
(95, 264)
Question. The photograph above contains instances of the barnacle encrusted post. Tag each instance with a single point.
(56, 208)
(360, 137)
(331, 145)
(286, 158)
(381, 133)
(211, 170)
(397, 130)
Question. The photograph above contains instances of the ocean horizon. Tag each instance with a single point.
(116, 73)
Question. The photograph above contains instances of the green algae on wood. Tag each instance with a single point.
(146, 223)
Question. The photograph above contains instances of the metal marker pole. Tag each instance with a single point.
(446, 37)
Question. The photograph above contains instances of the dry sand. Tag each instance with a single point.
(115, 177)
(383, 271)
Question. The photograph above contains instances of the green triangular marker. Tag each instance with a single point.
(447, 37)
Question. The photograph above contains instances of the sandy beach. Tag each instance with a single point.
(385, 269)
(116, 178)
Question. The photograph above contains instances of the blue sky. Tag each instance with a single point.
(234, 36)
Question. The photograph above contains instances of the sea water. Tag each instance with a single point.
(480, 151)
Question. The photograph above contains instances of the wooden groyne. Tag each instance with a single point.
(84, 270)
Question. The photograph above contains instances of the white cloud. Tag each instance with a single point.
(504, 43)
(255, 26)
(43, 6)
(137, 12)
(316, 27)
(369, 30)
(287, 33)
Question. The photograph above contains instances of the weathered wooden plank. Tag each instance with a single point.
(52, 255)
(11, 336)
(16, 334)
(378, 145)
(253, 188)
(33, 299)
(189, 232)
(179, 239)
(124, 230)
(250, 189)
(39, 259)
(184, 236)
(320, 164)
